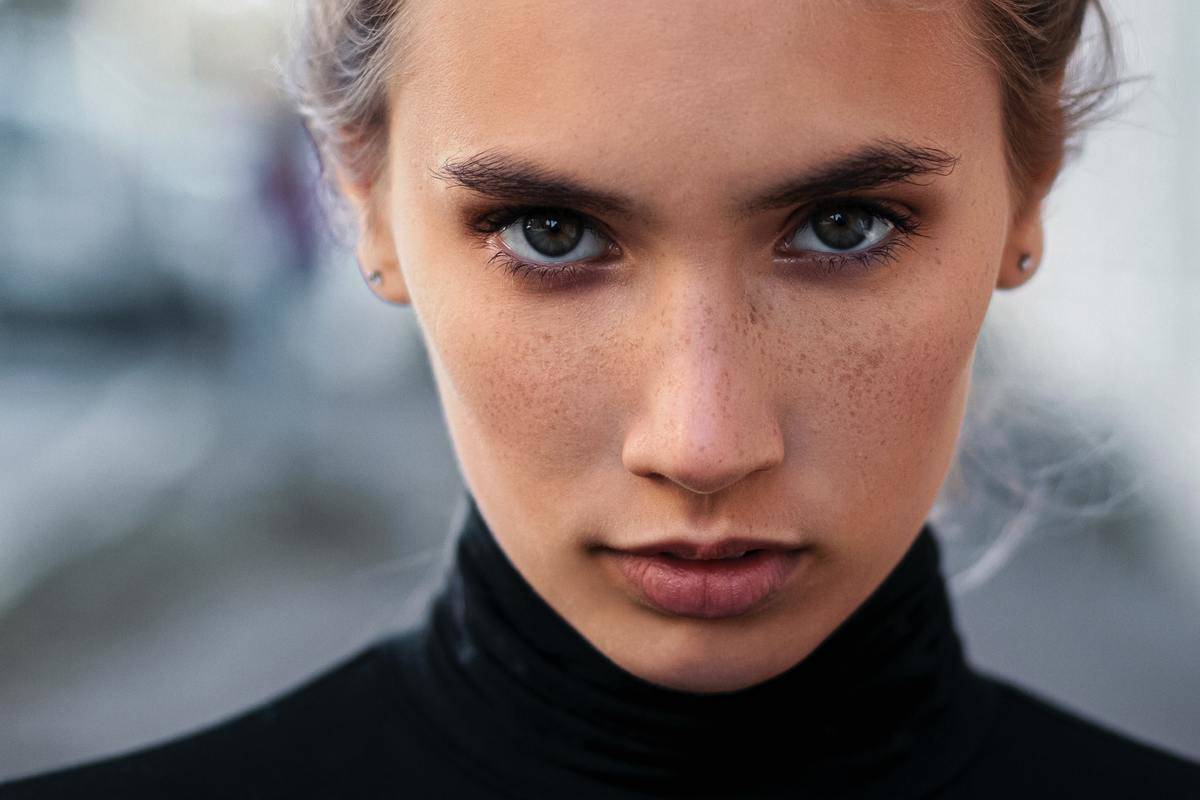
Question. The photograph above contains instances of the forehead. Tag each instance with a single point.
(681, 87)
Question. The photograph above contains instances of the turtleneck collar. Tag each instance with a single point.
(884, 707)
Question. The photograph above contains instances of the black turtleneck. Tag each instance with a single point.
(494, 694)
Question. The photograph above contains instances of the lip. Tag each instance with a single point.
(699, 581)
(725, 548)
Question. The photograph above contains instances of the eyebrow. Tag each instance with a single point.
(873, 166)
(503, 176)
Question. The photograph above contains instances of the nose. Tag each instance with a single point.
(707, 420)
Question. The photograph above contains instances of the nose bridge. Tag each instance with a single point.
(702, 345)
(707, 419)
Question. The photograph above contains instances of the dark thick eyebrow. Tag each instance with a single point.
(510, 178)
(501, 176)
(874, 166)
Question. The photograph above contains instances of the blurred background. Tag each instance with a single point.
(223, 466)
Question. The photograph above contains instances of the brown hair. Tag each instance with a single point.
(1030, 42)
(349, 53)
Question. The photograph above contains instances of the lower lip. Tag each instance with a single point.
(708, 588)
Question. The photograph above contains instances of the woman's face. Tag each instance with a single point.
(781, 225)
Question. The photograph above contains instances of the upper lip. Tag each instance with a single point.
(724, 548)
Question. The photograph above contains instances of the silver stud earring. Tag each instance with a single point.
(1025, 262)
(375, 278)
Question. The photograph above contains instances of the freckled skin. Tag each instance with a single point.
(701, 384)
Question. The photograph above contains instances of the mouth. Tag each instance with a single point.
(692, 585)
(742, 554)
(730, 548)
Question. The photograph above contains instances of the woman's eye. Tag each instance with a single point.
(552, 237)
(842, 229)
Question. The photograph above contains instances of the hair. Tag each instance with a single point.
(349, 55)
(1030, 43)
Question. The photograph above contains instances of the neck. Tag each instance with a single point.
(885, 693)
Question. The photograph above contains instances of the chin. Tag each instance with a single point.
(695, 658)
(710, 677)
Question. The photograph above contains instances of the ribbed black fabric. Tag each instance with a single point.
(496, 695)
(887, 697)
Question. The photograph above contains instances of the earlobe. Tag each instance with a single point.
(1019, 265)
(379, 266)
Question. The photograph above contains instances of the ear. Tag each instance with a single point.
(1024, 248)
(376, 247)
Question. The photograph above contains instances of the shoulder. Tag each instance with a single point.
(330, 725)
(1037, 748)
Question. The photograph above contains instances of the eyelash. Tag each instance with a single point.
(550, 275)
(905, 225)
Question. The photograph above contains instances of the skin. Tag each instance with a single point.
(698, 384)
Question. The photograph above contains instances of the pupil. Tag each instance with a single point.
(841, 230)
(552, 235)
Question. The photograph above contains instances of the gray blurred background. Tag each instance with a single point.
(223, 466)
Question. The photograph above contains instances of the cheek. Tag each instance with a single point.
(517, 374)
(524, 381)
(882, 427)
